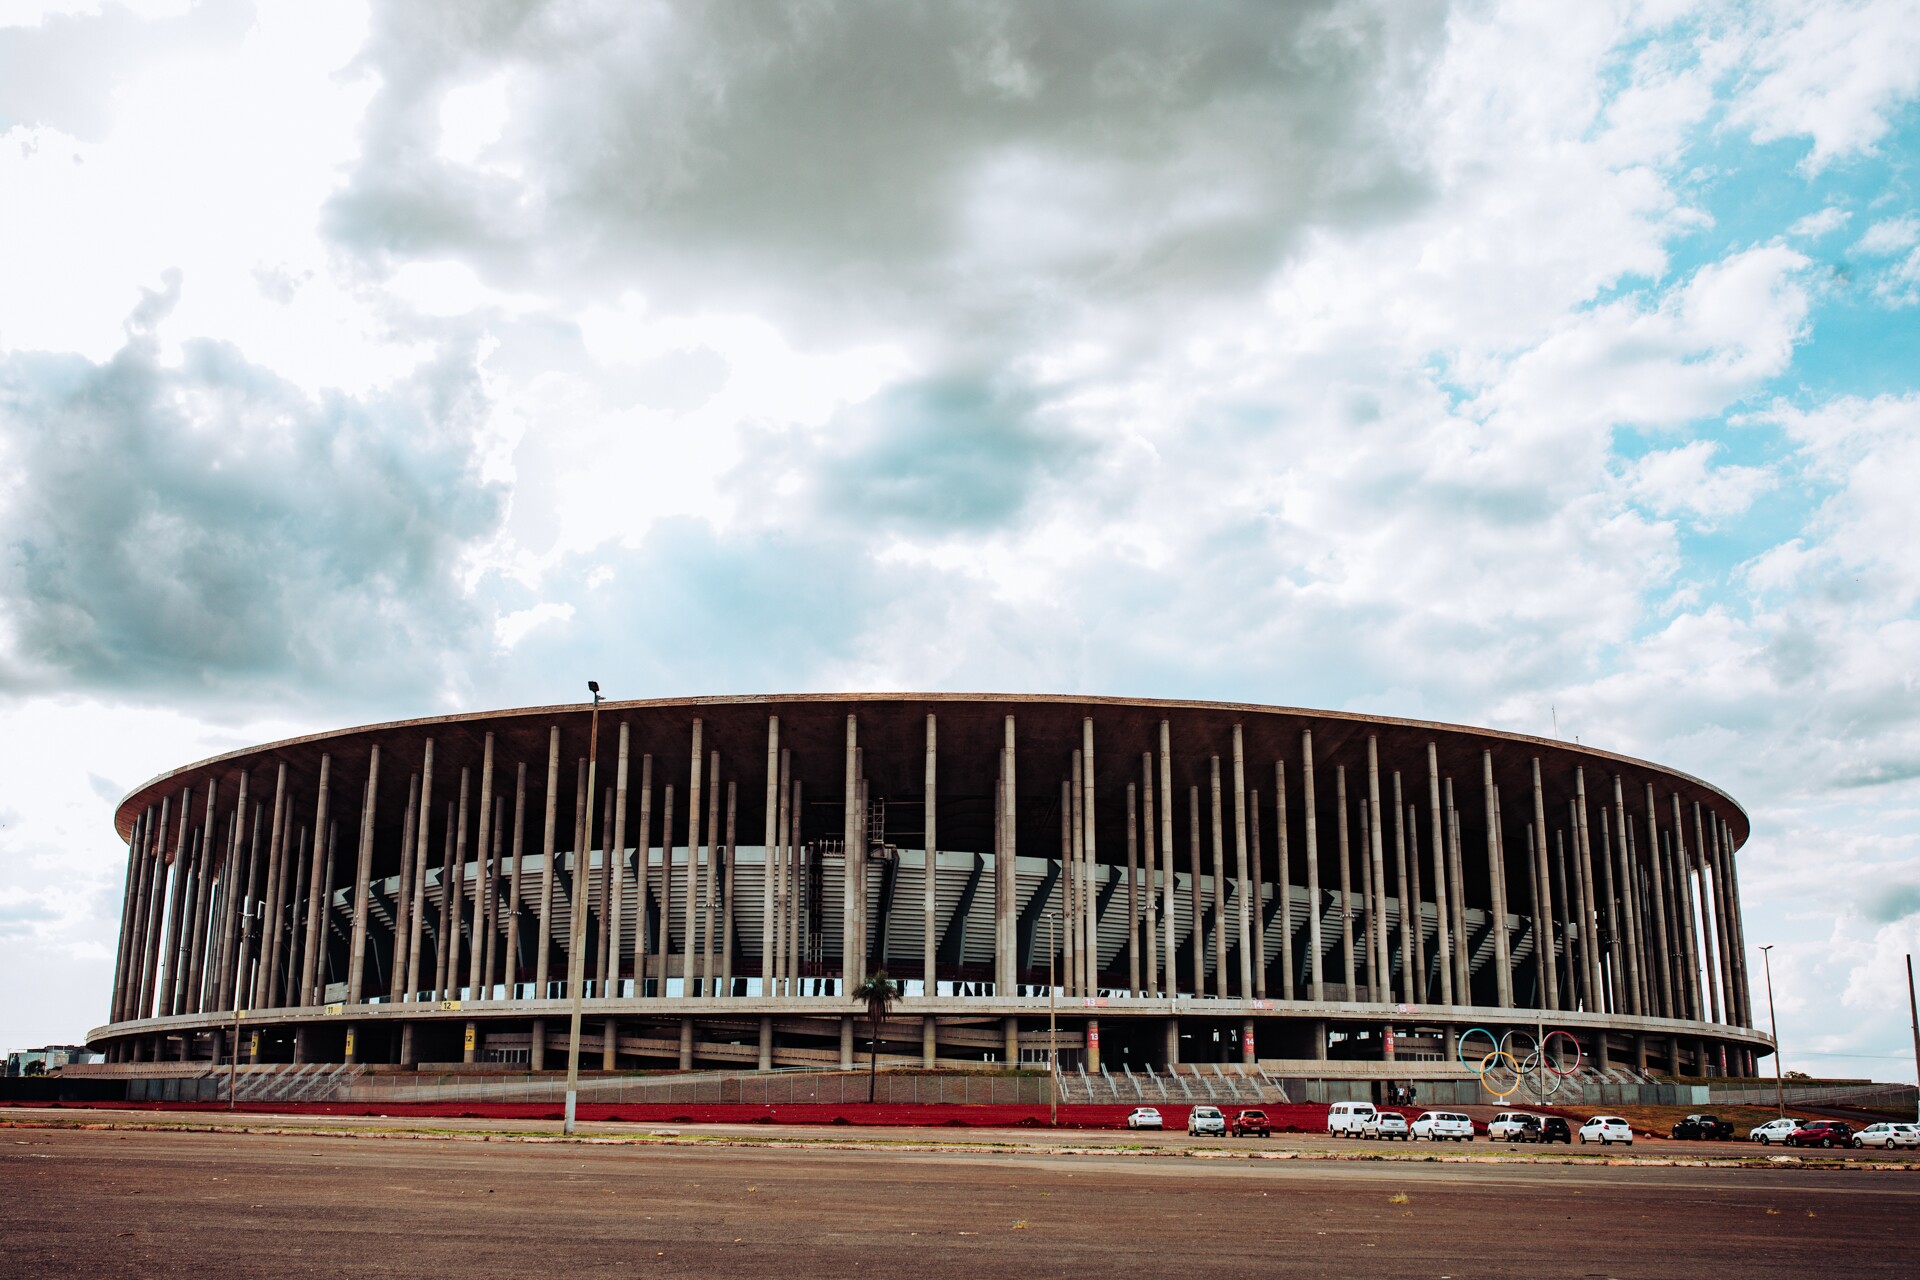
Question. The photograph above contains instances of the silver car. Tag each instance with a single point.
(1443, 1126)
(1888, 1136)
(1773, 1131)
(1206, 1120)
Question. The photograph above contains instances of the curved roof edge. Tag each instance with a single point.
(127, 803)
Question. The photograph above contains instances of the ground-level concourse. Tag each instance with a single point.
(1180, 881)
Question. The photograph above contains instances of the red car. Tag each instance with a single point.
(1254, 1122)
(1821, 1133)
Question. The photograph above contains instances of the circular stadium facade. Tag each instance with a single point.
(1170, 882)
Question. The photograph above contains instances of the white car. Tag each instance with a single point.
(1773, 1131)
(1145, 1118)
(1206, 1120)
(1385, 1124)
(1443, 1126)
(1888, 1136)
(1514, 1126)
(1606, 1130)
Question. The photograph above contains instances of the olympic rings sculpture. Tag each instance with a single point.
(1518, 1059)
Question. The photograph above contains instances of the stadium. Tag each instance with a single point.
(1124, 883)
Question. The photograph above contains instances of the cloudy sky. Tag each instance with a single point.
(1541, 366)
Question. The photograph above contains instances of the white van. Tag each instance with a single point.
(1349, 1117)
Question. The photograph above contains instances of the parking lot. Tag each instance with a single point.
(399, 1200)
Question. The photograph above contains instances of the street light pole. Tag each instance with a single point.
(1913, 1012)
(576, 938)
(1773, 1025)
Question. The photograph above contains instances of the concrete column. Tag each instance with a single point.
(1198, 906)
(1170, 921)
(542, 958)
(156, 896)
(510, 961)
(133, 932)
(1629, 905)
(846, 1042)
(1412, 968)
(794, 932)
(727, 942)
(177, 922)
(308, 991)
(1220, 925)
(1076, 881)
(686, 1043)
(1666, 1005)
(1256, 860)
(779, 862)
(1369, 943)
(1314, 906)
(1151, 862)
(1456, 875)
(453, 891)
(1589, 892)
(139, 995)
(1376, 851)
(1442, 911)
(768, 948)
(1543, 903)
(930, 812)
(852, 962)
(202, 898)
(128, 893)
(1283, 880)
(234, 892)
(1602, 1051)
(690, 927)
(422, 849)
(398, 971)
(1133, 890)
(1348, 958)
(709, 874)
(1319, 1032)
(1093, 1047)
(363, 879)
(1739, 936)
(1564, 997)
(1171, 1044)
(929, 1043)
(766, 1042)
(1243, 918)
(1005, 896)
(1709, 935)
(479, 976)
(1089, 862)
(1249, 1052)
(1689, 938)
(275, 892)
(1011, 1047)
(1621, 986)
(613, 924)
(1497, 873)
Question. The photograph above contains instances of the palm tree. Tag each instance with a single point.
(879, 992)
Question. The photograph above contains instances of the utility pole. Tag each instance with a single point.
(1913, 1012)
(1773, 1025)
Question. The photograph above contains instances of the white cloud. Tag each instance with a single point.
(1835, 71)
(1683, 480)
(1815, 225)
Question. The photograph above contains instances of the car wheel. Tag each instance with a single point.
(1826, 1143)
(1766, 1139)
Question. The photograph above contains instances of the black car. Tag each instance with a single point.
(1554, 1129)
(1711, 1128)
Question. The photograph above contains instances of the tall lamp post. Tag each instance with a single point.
(1773, 1025)
(576, 938)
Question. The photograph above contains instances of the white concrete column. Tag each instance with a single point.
(1315, 956)
(1543, 905)
(1150, 857)
(1283, 881)
(542, 956)
(1442, 911)
(1244, 917)
(616, 925)
(1005, 888)
(483, 894)
(1089, 862)
(769, 826)
(362, 877)
(852, 963)
(1376, 850)
(690, 926)
(398, 974)
(1169, 920)
(1497, 873)
(510, 968)
(929, 902)
(1220, 925)
(1133, 890)
(1349, 968)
